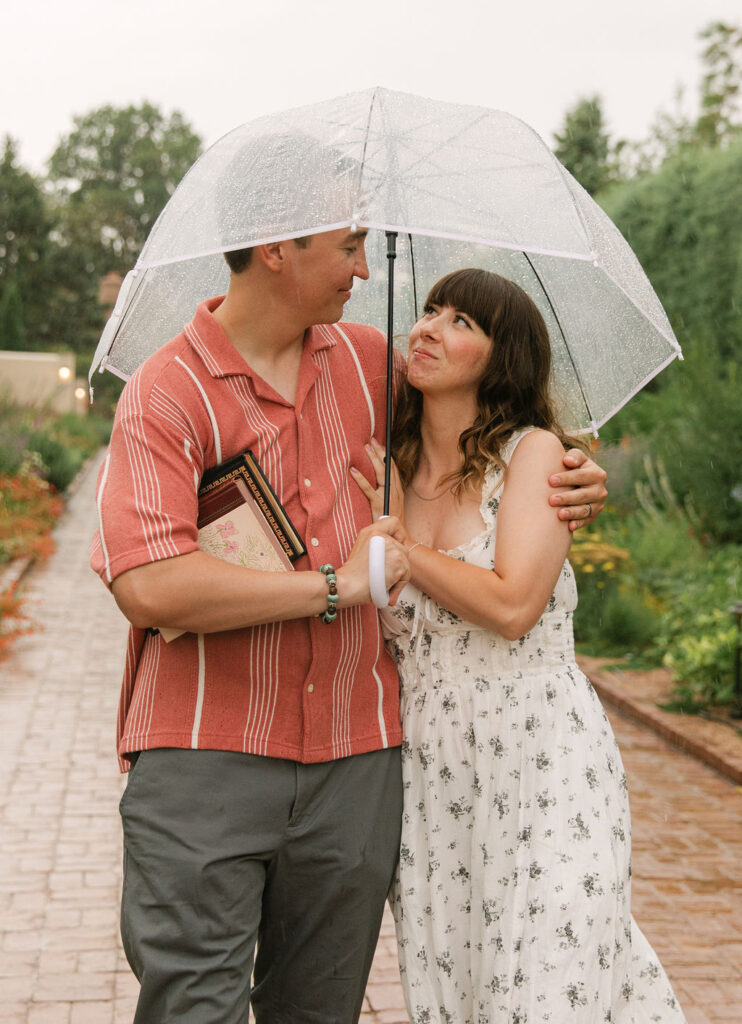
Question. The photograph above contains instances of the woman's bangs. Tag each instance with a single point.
(471, 291)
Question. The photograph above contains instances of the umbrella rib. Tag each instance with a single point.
(414, 277)
(638, 388)
(261, 240)
(365, 146)
(660, 330)
(578, 378)
(495, 243)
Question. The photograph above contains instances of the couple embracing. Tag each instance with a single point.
(275, 793)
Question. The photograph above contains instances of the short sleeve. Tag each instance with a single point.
(147, 487)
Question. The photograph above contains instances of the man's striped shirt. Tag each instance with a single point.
(297, 689)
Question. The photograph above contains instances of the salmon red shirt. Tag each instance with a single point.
(298, 689)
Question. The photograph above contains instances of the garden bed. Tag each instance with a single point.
(40, 456)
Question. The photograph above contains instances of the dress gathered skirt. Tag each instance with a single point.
(512, 900)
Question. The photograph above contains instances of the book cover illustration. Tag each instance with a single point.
(213, 495)
(240, 533)
(241, 521)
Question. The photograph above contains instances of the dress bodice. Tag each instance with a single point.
(432, 646)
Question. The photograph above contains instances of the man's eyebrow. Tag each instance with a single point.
(357, 235)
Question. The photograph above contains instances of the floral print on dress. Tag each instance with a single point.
(512, 899)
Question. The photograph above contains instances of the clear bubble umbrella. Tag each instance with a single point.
(439, 186)
(458, 186)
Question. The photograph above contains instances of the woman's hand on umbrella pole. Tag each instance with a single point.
(353, 574)
(376, 495)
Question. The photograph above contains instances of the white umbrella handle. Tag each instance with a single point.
(376, 573)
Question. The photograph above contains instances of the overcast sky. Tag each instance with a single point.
(226, 62)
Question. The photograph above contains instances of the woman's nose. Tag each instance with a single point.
(431, 325)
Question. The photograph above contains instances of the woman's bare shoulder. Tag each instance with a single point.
(538, 444)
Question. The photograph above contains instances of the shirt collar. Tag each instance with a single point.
(218, 354)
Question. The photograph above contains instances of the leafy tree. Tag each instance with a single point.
(115, 171)
(676, 130)
(721, 86)
(583, 145)
(112, 174)
(12, 328)
(24, 247)
(685, 224)
(670, 132)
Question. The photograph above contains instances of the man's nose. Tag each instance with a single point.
(361, 266)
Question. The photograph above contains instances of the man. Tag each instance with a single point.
(264, 803)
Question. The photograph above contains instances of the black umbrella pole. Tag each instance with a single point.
(391, 255)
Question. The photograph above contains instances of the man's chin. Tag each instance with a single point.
(335, 315)
(330, 318)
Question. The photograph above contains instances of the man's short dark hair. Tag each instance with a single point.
(239, 259)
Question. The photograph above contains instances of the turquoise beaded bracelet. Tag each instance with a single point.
(331, 612)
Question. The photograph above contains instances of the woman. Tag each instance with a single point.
(512, 901)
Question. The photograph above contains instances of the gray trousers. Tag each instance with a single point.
(225, 851)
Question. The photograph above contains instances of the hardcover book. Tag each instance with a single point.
(241, 521)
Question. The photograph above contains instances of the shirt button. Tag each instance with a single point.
(315, 542)
(310, 688)
(307, 481)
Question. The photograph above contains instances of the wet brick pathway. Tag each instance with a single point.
(60, 956)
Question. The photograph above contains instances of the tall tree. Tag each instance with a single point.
(112, 174)
(12, 326)
(115, 171)
(24, 247)
(583, 144)
(721, 86)
(672, 131)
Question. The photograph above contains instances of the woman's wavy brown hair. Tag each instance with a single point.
(514, 391)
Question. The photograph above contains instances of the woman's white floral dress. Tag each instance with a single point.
(512, 901)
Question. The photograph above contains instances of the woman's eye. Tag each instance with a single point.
(462, 319)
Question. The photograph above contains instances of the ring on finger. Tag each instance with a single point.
(589, 510)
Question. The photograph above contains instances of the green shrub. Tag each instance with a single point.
(697, 633)
(13, 445)
(60, 443)
(629, 623)
(684, 223)
(648, 586)
(60, 461)
(693, 428)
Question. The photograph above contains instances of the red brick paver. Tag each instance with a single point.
(60, 959)
(60, 955)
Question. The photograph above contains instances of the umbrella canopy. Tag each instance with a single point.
(462, 186)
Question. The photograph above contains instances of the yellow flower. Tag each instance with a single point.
(587, 567)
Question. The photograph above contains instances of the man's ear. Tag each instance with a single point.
(272, 255)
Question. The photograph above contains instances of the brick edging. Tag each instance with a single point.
(661, 723)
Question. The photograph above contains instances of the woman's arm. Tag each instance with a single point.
(532, 544)
(531, 547)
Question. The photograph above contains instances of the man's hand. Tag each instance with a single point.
(584, 503)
